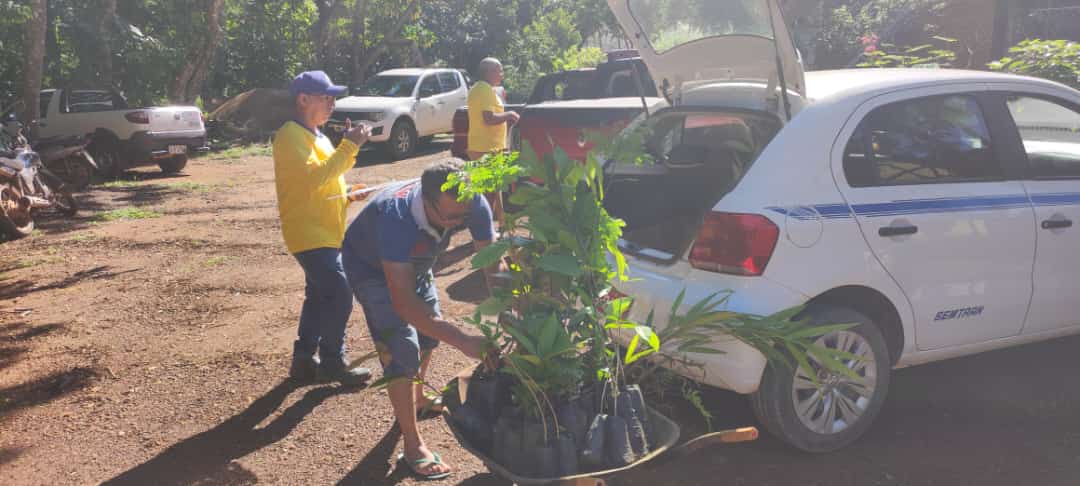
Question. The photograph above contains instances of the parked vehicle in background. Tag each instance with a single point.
(69, 159)
(27, 188)
(404, 107)
(566, 104)
(934, 209)
(122, 137)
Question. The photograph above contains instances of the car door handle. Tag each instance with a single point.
(889, 231)
(1056, 224)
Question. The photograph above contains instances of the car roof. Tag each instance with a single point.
(821, 86)
(415, 71)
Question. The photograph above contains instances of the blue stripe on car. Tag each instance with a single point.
(925, 206)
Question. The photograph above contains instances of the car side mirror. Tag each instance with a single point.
(686, 156)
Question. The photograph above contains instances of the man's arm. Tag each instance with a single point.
(492, 118)
(401, 280)
(293, 153)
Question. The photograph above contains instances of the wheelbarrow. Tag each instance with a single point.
(664, 439)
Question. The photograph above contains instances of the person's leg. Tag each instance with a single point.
(399, 350)
(328, 305)
(305, 362)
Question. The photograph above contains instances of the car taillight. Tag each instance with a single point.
(739, 244)
(140, 117)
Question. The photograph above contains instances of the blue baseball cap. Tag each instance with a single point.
(315, 82)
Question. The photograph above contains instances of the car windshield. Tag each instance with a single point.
(671, 23)
(399, 86)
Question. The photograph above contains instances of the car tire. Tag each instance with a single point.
(402, 142)
(173, 164)
(107, 157)
(830, 416)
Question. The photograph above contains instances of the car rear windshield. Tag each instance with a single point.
(670, 23)
(395, 86)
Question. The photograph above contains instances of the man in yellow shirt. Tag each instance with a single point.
(488, 122)
(309, 174)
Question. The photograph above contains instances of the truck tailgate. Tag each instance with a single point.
(175, 119)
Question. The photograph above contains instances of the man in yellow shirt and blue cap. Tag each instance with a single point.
(309, 174)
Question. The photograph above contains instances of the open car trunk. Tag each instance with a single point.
(700, 156)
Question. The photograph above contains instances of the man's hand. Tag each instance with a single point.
(512, 117)
(359, 134)
(475, 347)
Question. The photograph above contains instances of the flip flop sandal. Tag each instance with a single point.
(433, 409)
(419, 462)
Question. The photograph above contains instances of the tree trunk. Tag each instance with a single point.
(328, 11)
(358, 39)
(35, 58)
(200, 56)
(104, 42)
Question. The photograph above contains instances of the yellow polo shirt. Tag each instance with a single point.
(308, 173)
(484, 137)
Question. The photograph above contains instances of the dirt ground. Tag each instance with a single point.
(153, 349)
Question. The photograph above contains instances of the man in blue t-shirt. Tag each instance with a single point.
(388, 255)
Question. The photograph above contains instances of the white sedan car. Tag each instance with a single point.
(934, 208)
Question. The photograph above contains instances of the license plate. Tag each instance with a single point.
(177, 149)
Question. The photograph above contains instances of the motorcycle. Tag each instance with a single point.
(27, 187)
(68, 158)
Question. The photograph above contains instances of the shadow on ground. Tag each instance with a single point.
(12, 289)
(209, 457)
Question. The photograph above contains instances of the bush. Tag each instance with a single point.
(1056, 60)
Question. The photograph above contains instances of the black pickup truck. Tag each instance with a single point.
(543, 116)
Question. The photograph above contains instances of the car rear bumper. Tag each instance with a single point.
(739, 367)
(149, 147)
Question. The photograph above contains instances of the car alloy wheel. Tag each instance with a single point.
(836, 401)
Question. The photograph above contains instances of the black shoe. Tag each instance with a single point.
(344, 375)
(304, 369)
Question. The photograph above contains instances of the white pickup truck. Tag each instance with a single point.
(123, 137)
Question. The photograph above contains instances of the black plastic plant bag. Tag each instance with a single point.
(617, 442)
(573, 418)
(637, 399)
(568, 456)
(592, 456)
(635, 430)
(479, 430)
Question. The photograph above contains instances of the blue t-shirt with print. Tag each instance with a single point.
(393, 227)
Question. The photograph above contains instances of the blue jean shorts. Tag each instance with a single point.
(399, 344)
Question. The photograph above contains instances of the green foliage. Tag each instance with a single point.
(1056, 60)
(578, 57)
(889, 56)
(845, 28)
(127, 214)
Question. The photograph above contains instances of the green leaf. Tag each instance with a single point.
(490, 254)
(804, 364)
(493, 306)
(561, 264)
(523, 339)
(811, 332)
(827, 358)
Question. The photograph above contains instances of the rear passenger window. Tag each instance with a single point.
(44, 98)
(1051, 135)
(931, 140)
(90, 101)
(449, 82)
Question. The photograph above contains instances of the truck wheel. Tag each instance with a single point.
(15, 218)
(107, 157)
(402, 141)
(835, 412)
(173, 164)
